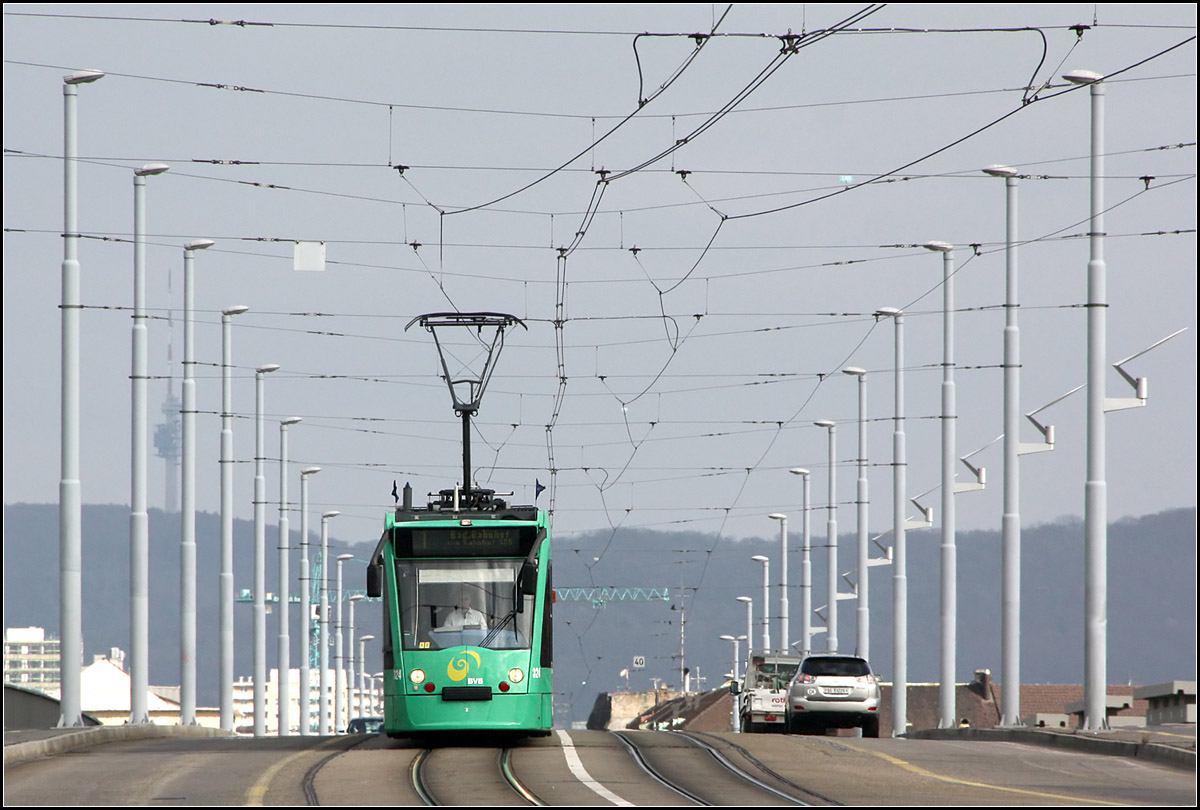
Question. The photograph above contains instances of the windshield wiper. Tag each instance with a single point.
(499, 626)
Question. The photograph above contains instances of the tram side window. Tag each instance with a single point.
(406, 592)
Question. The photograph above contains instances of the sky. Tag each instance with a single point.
(693, 209)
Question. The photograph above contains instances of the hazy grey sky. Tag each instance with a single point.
(707, 300)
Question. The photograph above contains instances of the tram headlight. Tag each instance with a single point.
(417, 676)
(515, 675)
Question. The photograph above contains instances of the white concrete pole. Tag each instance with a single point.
(260, 555)
(225, 579)
(139, 519)
(285, 642)
(70, 502)
(305, 608)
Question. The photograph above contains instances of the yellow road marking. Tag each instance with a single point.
(1156, 733)
(256, 793)
(908, 766)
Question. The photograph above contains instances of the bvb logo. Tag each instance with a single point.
(458, 668)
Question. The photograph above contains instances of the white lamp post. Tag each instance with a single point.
(139, 520)
(339, 674)
(784, 609)
(323, 701)
(1010, 521)
(226, 576)
(350, 667)
(861, 502)
(377, 695)
(285, 641)
(831, 622)
(305, 607)
(736, 676)
(737, 643)
(260, 554)
(749, 603)
(1095, 511)
(187, 540)
(70, 502)
(949, 552)
(805, 565)
(364, 701)
(766, 622)
(900, 553)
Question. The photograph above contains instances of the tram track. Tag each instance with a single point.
(421, 779)
(642, 761)
(695, 737)
(762, 786)
(309, 783)
(416, 775)
(685, 763)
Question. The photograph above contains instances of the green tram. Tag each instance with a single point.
(467, 603)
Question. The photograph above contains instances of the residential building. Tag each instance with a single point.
(31, 659)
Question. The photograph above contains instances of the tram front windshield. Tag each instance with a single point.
(456, 602)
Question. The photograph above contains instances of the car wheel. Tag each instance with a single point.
(870, 726)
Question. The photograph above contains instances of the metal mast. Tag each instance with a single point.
(467, 391)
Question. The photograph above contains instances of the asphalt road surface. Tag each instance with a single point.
(591, 768)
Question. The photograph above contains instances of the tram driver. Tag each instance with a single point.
(464, 616)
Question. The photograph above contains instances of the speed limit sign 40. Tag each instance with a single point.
(639, 662)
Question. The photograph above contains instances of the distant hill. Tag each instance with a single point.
(1151, 599)
(1151, 603)
(31, 586)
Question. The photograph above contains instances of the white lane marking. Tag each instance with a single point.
(580, 773)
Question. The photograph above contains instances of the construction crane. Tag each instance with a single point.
(245, 596)
(599, 596)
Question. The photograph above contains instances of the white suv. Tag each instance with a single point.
(833, 690)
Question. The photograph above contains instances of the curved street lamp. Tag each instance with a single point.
(70, 499)
(1010, 520)
(733, 719)
(861, 502)
(187, 511)
(784, 608)
(1095, 510)
(831, 622)
(806, 629)
(339, 682)
(900, 553)
(260, 553)
(749, 603)
(323, 636)
(225, 579)
(766, 620)
(305, 608)
(285, 642)
(949, 550)
(139, 519)
(363, 699)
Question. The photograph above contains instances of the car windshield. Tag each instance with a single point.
(843, 667)
(365, 725)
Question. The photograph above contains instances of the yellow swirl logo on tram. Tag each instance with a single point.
(458, 668)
